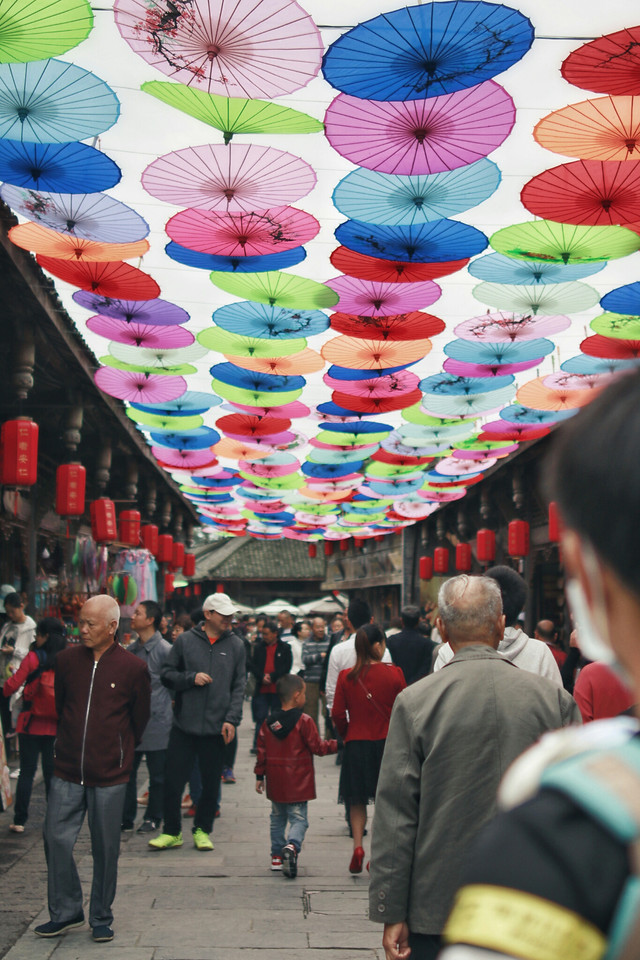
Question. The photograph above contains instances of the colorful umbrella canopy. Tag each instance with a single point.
(617, 325)
(65, 246)
(404, 201)
(263, 321)
(424, 51)
(168, 369)
(214, 338)
(369, 298)
(461, 368)
(50, 101)
(421, 136)
(140, 387)
(159, 422)
(501, 430)
(496, 268)
(156, 357)
(526, 415)
(89, 216)
(624, 299)
(306, 361)
(200, 439)
(232, 115)
(278, 289)
(589, 364)
(466, 405)
(184, 405)
(611, 348)
(244, 234)
(242, 264)
(576, 381)
(152, 311)
(253, 381)
(372, 354)
(586, 192)
(444, 384)
(508, 326)
(499, 352)
(541, 299)
(107, 279)
(390, 271)
(374, 405)
(608, 64)
(607, 128)
(535, 394)
(37, 29)
(564, 243)
(246, 49)
(405, 326)
(183, 459)
(240, 177)
(440, 240)
(64, 167)
(140, 334)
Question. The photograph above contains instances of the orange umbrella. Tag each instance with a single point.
(534, 394)
(64, 246)
(233, 450)
(373, 354)
(607, 128)
(306, 361)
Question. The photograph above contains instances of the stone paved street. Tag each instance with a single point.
(185, 905)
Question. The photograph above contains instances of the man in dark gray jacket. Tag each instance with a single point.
(451, 738)
(206, 672)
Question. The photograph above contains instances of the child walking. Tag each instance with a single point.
(287, 741)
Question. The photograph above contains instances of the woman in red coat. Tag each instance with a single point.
(361, 713)
(37, 722)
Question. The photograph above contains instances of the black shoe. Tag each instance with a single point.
(290, 861)
(102, 934)
(253, 752)
(53, 928)
(148, 826)
(126, 828)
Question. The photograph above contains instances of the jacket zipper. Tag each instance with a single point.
(121, 750)
(86, 722)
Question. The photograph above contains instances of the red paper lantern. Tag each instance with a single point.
(71, 484)
(197, 589)
(129, 523)
(379, 537)
(189, 564)
(426, 568)
(187, 591)
(486, 546)
(463, 557)
(555, 526)
(149, 536)
(177, 558)
(219, 587)
(344, 545)
(19, 440)
(328, 548)
(441, 560)
(358, 541)
(312, 550)
(518, 538)
(104, 528)
(168, 584)
(165, 548)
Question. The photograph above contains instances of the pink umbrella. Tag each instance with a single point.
(421, 136)
(239, 49)
(576, 381)
(182, 458)
(517, 432)
(503, 326)
(455, 467)
(389, 385)
(376, 299)
(139, 387)
(228, 179)
(140, 334)
(260, 469)
(242, 234)
(461, 369)
(484, 455)
(269, 442)
(442, 496)
(412, 510)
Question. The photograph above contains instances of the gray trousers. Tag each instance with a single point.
(66, 808)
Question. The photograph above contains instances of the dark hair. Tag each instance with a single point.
(295, 629)
(196, 615)
(13, 600)
(593, 472)
(410, 616)
(366, 637)
(288, 685)
(271, 625)
(56, 633)
(182, 620)
(154, 610)
(359, 613)
(513, 590)
(547, 635)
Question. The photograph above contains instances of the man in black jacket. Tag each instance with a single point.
(410, 649)
(272, 658)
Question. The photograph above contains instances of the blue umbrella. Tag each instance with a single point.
(585, 364)
(492, 354)
(336, 455)
(496, 268)
(331, 471)
(51, 101)
(351, 373)
(57, 167)
(253, 380)
(331, 409)
(623, 299)
(425, 51)
(395, 486)
(190, 403)
(518, 414)
(372, 197)
(365, 426)
(212, 484)
(261, 320)
(198, 439)
(446, 384)
(209, 261)
(437, 242)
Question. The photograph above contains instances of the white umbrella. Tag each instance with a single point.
(242, 607)
(273, 609)
(326, 605)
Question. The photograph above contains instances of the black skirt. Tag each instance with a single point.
(360, 771)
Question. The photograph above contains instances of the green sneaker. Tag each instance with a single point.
(201, 840)
(166, 841)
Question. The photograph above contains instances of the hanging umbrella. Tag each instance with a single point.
(291, 411)
(611, 348)
(88, 216)
(38, 29)
(64, 246)
(157, 357)
(306, 361)
(174, 369)
(158, 422)
(245, 49)
(390, 271)
(607, 128)
(366, 431)
(260, 320)
(240, 177)
(200, 439)
(590, 364)
(255, 382)
(421, 136)
(564, 243)
(244, 234)
(434, 433)
(424, 51)
(440, 240)
(182, 459)
(242, 264)
(443, 384)
(232, 115)
(456, 467)
(619, 326)
(496, 268)
(152, 311)
(349, 378)
(586, 192)
(535, 394)
(516, 432)
(374, 405)
(214, 338)
(140, 334)
(504, 326)
(466, 405)
(185, 405)
(519, 415)
(50, 101)
(405, 326)
(624, 299)
(383, 198)
(253, 397)
(107, 279)
(609, 64)
(373, 354)
(370, 298)
(461, 368)
(499, 352)
(65, 167)
(278, 289)
(141, 387)
(538, 299)
(576, 381)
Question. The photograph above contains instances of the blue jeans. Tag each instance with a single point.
(296, 815)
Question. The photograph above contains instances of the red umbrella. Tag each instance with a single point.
(587, 192)
(139, 387)
(610, 348)
(249, 426)
(242, 234)
(405, 326)
(514, 432)
(382, 299)
(117, 280)
(609, 64)
(390, 271)
(402, 460)
(376, 404)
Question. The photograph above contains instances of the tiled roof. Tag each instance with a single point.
(248, 559)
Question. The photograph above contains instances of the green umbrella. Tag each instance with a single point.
(319, 509)
(291, 482)
(564, 242)
(379, 469)
(540, 299)
(416, 414)
(251, 398)
(159, 422)
(40, 29)
(618, 325)
(351, 439)
(179, 370)
(281, 289)
(215, 338)
(355, 518)
(232, 115)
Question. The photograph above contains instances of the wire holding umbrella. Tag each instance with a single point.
(243, 234)
(59, 167)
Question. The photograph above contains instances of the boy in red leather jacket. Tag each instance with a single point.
(287, 741)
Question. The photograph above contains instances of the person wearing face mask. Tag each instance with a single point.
(553, 875)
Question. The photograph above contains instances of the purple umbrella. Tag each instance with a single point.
(160, 313)
(141, 334)
(376, 299)
(461, 369)
(139, 387)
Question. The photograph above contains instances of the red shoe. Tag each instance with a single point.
(356, 860)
